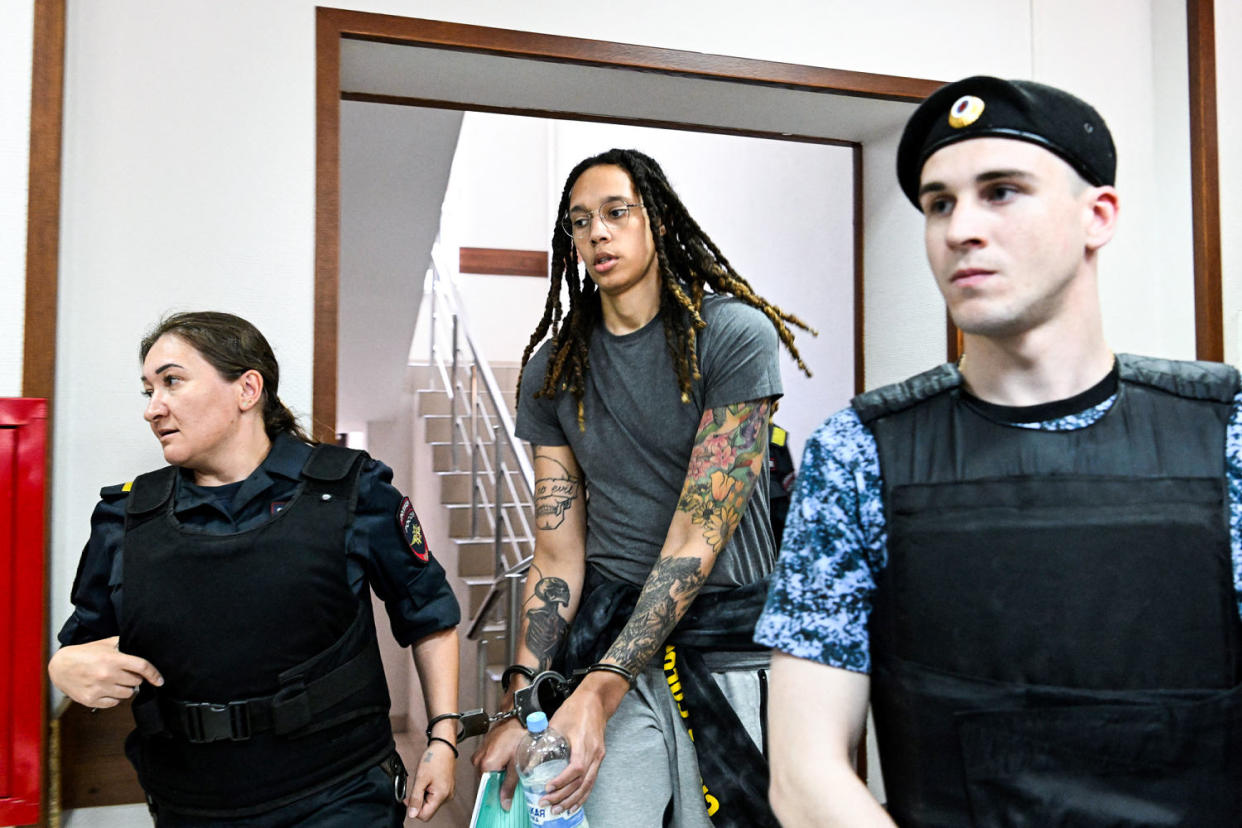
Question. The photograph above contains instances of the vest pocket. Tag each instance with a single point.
(1117, 764)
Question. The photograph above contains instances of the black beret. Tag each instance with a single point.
(983, 106)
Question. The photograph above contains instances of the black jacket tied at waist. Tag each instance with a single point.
(733, 767)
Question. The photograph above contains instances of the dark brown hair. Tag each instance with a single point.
(232, 346)
(689, 262)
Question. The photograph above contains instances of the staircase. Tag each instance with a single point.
(482, 558)
(475, 544)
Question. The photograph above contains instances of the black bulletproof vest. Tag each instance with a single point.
(243, 616)
(1055, 637)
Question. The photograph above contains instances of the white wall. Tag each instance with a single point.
(394, 167)
(496, 198)
(905, 316)
(1138, 82)
(189, 170)
(16, 48)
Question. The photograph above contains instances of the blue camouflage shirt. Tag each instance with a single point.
(835, 539)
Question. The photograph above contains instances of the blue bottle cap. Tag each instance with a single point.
(537, 722)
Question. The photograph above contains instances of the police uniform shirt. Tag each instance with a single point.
(384, 544)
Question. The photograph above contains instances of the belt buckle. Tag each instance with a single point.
(210, 722)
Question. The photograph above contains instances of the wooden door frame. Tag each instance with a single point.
(1205, 180)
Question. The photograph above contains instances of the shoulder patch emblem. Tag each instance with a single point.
(412, 530)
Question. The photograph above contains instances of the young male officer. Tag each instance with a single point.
(1027, 561)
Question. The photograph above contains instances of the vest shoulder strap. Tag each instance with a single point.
(1213, 381)
(328, 463)
(151, 491)
(889, 399)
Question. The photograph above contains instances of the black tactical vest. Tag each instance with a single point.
(1055, 637)
(273, 682)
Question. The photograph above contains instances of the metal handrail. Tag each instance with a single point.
(488, 416)
(461, 327)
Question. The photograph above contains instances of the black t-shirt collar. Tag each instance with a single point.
(1054, 410)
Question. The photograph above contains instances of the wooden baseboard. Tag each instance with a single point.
(93, 769)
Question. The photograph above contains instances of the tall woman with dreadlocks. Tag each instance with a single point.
(652, 393)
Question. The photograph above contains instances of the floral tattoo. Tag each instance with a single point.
(729, 452)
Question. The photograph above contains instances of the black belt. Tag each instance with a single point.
(290, 709)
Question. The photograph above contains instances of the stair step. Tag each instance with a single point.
(421, 375)
(477, 588)
(459, 520)
(435, 390)
(477, 557)
(442, 457)
(455, 486)
(438, 427)
(432, 402)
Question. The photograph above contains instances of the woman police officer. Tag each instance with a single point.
(228, 593)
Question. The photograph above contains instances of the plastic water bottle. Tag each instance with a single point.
(541, 756)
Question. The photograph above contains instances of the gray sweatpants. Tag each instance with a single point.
(649, 759)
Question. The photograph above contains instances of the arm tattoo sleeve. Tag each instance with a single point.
(554, 495)
(729, 453)
(544, 625)
(670, 588)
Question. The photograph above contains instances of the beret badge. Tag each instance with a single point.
(965, 111)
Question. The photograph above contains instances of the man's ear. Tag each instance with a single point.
(1101, 218)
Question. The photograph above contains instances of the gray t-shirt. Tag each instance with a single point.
(635, 450)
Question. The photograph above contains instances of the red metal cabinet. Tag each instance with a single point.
(23, 618)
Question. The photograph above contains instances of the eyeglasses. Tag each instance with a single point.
(614, 215)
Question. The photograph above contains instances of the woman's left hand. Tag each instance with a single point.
(433, 782)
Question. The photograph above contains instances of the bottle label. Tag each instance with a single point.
(541, 816)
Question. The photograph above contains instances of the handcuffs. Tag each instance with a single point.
(546, 692)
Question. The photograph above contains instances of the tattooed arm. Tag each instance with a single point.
(728, 456)
(554, 583)
(553, 588)
(726, 461)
